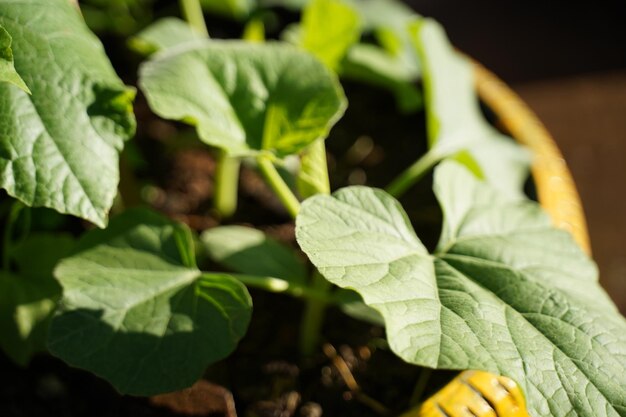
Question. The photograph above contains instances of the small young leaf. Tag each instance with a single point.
(329, 28)
(505, 292)
(162, 34)
(245, 98)
(455, 123)
(389, 21)
(254, 31)
(59, 146)
(249, 251)
(137, 311)
(374, 65)
(28, 296)
(312, 177)
(7, 68)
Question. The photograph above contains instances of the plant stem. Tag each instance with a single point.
(420, 386)
(412, 174)
(226, 185)
(313, 317)
(282, 190)
(192, 11)
(14, 214)
(277, 285)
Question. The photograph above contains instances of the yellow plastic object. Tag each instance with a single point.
(475, 394)
(478, 393)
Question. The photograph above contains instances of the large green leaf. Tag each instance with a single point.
(245, 98)
(29, 295)
(137, 311)
(162, 34)
(505, 292)
(455, 124)
(59, 146)
(250, 251)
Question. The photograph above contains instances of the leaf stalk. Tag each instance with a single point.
(192, 12)
(281, 286)
(278, 185)
(413, 174)
(226, 185)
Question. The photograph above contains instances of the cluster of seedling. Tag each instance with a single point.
(504, 291)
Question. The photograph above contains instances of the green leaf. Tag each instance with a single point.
(312, 178)
(7, 68)
(163, 34)
(505, 292)
(137, 311)
(373, 65)
(117, 17)
(329, 28)
(250, 251)
(389, 21)
(245, 98)
(235, 9)
(384, 14)
(29, 295)
(454, 120)
(59, 146)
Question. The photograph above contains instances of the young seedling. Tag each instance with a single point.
(504, 291)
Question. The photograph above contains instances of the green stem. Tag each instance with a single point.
(412, 174)
(420, 386)
(226, 185)
(282, 190)
(14, 214)
(313, 317)
(192, 12)
(281, 286)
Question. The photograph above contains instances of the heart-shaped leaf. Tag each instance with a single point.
(137, 311)
(245, 98)
(59, 145)
(505, 292)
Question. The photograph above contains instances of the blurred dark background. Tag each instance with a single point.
(568, 61)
